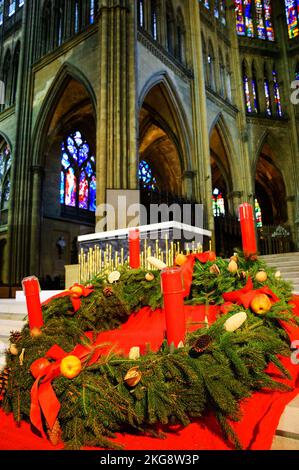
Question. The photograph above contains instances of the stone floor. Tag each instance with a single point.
(285, 443)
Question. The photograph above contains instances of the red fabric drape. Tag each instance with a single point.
(261, 412)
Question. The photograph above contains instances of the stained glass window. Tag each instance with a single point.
(146, 177)
(267, 97)
(11, 7)
(254, 18)
(219, 10)
(222, 12)
(77, 14)
(206, 3)
(277, 94)
(246, 90)
(5, 164)
(78, 176)
(258, 214)
(1, 11)
(255, 92)
(292, 16)
(240, 19)
(268, 20)
(91, 11)
(218, 203)
(154, 17)
(141, 13)
(248, 18)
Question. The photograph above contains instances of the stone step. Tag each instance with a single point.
(284, 265)
(11, 306)
(282, 442)
(281, 255)
(6, 326)
(291, 275)
(289, 422)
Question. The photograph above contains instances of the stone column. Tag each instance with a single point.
(188, 183)
(245, 181)
(234, 201)
(201, 152)
(35, 245)
(20, 208)
(117, 116)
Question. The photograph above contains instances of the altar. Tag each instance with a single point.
(108, 250)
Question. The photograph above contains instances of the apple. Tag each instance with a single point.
(38, 366)
(212, 256)
(180, 259)
(261, 304)
(70, 367)
(76, 291)
(261, 276)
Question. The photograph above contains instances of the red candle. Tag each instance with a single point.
(31, 290)
(134, 248)
(247, 221)
(173, 291)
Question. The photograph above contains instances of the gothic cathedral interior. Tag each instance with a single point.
(185, 100)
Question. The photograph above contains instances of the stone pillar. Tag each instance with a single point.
(35, 238)
(201, 152)
(117, 116)
(20, 207)
(245, 182)
(234, 200)
(188, 183)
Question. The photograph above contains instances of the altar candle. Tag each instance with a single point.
(134, 248)
(247, 222)
(172, 289)
(31, 290)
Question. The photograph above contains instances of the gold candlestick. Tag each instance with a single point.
(167, 261)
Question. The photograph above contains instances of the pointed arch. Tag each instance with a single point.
(46, 37)
(229, 157)
(222, 73)
(211, 65)
(180, 118)
(255, 92)
(5, 179)
(270, 187)
(59, 84)
(6, 76)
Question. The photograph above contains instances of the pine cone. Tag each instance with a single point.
(4, 376)
(200, 346)
(54, 434)
(15, 336)
(108, 291)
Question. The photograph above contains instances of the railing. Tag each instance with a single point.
(271, 245)
(149, 197)
(228, 237)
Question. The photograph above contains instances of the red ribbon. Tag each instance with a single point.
(43, 397)
(188, 268)
(245, 295)
(76, 302)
